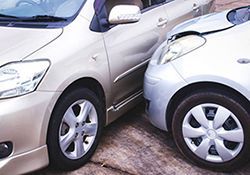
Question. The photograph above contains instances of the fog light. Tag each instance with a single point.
(5, 149)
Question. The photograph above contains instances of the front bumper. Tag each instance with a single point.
(25, 162)
(161, 82)
(24, 122)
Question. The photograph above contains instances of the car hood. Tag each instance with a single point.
(207, 23)
(18, 43)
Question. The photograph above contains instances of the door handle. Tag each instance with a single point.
(162, 22)
(196, 7)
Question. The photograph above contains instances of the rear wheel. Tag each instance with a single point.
(75, 129)
(211, 128)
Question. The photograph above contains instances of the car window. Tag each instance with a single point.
(102, 8)
(142, 4)
(148, 3)
(111, 3)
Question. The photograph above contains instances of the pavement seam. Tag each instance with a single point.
(110, 167)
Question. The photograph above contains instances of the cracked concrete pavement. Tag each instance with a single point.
(132, 145)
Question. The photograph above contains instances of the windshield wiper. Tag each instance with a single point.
(3, 16)
(37, 18)
(42, 18)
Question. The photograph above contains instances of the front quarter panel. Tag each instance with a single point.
(78, 53)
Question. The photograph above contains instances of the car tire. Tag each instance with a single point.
(75, 128)
(211, 128)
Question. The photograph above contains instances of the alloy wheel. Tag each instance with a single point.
(78, 129)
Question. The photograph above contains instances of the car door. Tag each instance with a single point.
(180, 10)
(129, 48)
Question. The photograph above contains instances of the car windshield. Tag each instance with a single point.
(36, 9)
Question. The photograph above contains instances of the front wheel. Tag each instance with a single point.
(75, 128)
(211, 128)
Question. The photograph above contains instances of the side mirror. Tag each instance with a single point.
(123, 14)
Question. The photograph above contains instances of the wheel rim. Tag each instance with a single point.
(213, 133)
(78, 129)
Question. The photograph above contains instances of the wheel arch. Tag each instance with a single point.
(87, 82)
(200, 86)
(84, 85)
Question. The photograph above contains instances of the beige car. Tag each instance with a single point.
(70, 67)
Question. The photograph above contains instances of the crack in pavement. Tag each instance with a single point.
(111, 167)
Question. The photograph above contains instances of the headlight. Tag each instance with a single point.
(180, 47)
(19, 78)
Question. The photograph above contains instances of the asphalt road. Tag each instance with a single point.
(132, 145)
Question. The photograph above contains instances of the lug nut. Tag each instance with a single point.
(77, 124)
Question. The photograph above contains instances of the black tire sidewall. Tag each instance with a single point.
(56, 156)
(224, 100)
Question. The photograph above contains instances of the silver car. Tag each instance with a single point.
(197, 86)
(68, 68)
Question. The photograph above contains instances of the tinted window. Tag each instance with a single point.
(100, 23)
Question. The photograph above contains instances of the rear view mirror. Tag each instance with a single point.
(122, 14)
